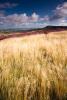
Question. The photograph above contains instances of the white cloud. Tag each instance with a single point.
(34, 17)
(60, 15)
(45, 18)
(60, 12)
(16, 18)
(63, 22)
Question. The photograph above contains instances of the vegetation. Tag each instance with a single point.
(34, 67)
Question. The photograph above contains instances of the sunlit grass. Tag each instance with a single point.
(34, 67)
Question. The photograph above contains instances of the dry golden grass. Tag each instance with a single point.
(34, 67)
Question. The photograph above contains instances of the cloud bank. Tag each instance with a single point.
(21, 21)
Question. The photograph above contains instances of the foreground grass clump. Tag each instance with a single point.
(34, 67)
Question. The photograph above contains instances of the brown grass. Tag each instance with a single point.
(34, 67)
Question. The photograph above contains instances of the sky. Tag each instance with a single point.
(32, 13)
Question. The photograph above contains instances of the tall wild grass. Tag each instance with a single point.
(34, 67)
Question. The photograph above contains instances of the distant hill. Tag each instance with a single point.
(55, 28)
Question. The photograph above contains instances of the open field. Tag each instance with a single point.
(34, 67)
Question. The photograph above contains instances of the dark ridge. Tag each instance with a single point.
(55, 28)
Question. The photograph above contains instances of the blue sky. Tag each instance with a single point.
(32, 13)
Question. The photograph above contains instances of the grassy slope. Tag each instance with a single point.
(34, 67)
